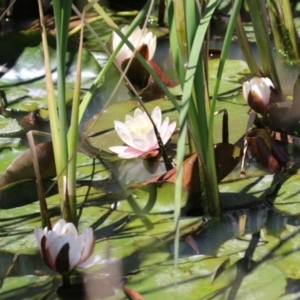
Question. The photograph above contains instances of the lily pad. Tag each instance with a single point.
(287, 198)
(191, 276)
(9, 142)
(30, 287)
(22, 61)
(243, 191)
(9, 127)
(234, 73)
(153, 198)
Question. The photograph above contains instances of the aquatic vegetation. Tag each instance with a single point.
(138, 133)
(162, 231)
(257, 93)
(63, 249)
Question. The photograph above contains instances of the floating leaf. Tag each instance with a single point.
(22, 61)
(156, 197)
(9, 127)
(193, 275)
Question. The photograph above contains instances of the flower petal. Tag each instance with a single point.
(74, 251)
(246, 90)
(169, 132)
(59, 226)
(126, 152)
(152, 47)
(149, 142)
(137, 113)
(156, 117)
(268, 82)
(69, 228)
(164, 127)
(139, 38)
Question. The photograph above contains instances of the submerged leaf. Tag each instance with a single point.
(227, 157)
(266, 151)
(143, 82)
(22, 167)
(190, 178)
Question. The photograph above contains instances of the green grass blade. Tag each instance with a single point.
(174, 43)
(188, 89)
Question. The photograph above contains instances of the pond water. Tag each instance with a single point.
(252, 252)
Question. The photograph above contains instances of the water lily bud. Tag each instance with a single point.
(138, 133)
(257, 93)
(63, 249)
(142, 40)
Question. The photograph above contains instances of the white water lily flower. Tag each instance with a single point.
(138, 133)
(257, 93)
(63, 249)
(142, 40)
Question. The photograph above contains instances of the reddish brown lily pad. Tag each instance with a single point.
(143, 82)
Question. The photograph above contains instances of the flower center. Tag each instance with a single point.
(141, 125)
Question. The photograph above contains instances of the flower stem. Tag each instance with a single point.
(66, 280)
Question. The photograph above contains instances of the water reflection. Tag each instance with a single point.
(137, 170)
(236, 224)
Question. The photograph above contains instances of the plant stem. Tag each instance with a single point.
(73, 131)
(62, 13)
(244, 45)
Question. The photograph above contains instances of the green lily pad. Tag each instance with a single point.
(243, 191)
(264, 282)
(23, 60)
(159, 281)
(9, 127)
(9, 142)
(287, 198)
(23, 57)
(30, 287)
(155, 197)
(234, 73)
(143, 240)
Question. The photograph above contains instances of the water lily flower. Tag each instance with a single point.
(257, 93)
(138, 133)
(63, 249)
(142, 40)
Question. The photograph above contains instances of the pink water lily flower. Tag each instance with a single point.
(138, 133)
(257, 93)
(142, 40)
(63, 249)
